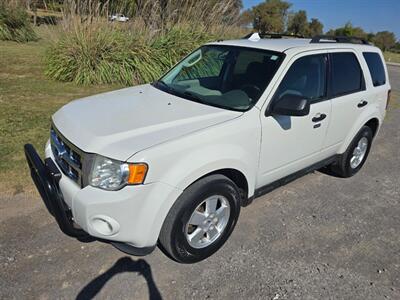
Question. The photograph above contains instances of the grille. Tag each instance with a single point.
(67, 156)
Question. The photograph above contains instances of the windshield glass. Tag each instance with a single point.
(223, 76)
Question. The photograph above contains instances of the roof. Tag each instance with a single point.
(283, 44)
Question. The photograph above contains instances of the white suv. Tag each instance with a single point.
(171, 163)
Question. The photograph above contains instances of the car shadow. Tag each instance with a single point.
(122, 265)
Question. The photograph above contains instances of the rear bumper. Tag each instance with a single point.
(54, 187)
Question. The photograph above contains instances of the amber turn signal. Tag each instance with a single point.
(137, 173)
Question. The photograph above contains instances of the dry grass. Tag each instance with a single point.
(27, 101)
(392, 57)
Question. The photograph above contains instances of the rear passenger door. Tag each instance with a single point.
(346, 89)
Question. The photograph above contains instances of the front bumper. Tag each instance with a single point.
(136, 211)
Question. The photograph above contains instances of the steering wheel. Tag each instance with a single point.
(251, 90)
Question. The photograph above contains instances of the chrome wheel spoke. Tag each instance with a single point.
(211, 205)
(197, 218)
(196, 236)
(222, 212)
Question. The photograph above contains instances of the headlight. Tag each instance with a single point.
(109, 174)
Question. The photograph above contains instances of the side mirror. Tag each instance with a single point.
(291, 105)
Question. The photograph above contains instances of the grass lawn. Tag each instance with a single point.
(392, 57)
(27, 101)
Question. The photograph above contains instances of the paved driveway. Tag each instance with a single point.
(316, 238)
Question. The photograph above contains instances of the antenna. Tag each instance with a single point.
(255, 37)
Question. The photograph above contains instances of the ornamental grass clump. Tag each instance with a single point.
(15, 23)
(92, 50)
(92, 54)
(104, 54)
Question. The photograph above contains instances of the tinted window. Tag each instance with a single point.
(247, 57)
(306, 77)
(375, 67)
(346, 74)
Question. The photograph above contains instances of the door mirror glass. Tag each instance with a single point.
(291, 105)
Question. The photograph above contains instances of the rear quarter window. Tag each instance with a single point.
(375, 66)
(347, 76)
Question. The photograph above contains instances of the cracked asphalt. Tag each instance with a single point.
(319, 237)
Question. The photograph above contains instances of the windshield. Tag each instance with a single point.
(224, 76)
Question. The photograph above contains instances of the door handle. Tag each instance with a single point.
(362, 103)
(318, 117)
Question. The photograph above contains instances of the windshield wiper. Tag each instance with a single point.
(184, 94)
(166, 86)
(193, 97)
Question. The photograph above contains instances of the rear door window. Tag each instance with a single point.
(375, 66)
(346, 76)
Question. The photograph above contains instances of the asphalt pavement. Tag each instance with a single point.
(319, 237)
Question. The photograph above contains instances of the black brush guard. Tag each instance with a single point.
(46, 177)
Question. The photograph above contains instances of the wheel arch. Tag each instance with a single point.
(372, 120)
(236, 176)
(374, 125)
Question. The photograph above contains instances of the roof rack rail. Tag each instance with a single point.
(338, 39)
(270, 35)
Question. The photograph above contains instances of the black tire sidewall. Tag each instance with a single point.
(364, 132)
(182, 251)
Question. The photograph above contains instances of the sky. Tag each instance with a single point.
(371, 15)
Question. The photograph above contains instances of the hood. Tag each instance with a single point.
(118, 124)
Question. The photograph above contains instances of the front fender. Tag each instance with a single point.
(210, 159)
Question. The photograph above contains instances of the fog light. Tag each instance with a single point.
(104, 225)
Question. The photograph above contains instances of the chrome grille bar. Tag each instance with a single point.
(67, 156)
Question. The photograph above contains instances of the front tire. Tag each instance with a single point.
(201, 220)
(351, 161)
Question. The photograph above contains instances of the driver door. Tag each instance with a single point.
(291, 143)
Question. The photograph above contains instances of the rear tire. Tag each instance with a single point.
(351, 161)
(201, 219)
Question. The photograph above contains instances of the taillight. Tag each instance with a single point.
(388, 99)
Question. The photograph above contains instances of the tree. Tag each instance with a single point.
(298, 23)
(246, 18)
(269, 16)
(385, 40)
(349, 30)
(315, 27)
(370, 36)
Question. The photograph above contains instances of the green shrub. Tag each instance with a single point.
(15, 24)
(99, 54)
(103, 53)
